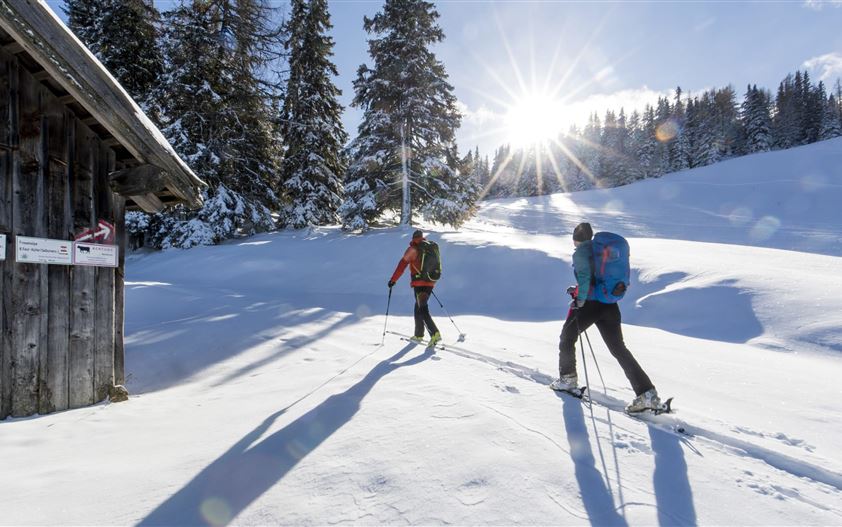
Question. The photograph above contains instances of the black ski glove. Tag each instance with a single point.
(390, 284)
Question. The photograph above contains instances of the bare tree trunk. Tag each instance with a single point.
(406, 206)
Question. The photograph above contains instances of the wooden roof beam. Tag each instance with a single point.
(139, 180)
(13, 48)
(149, 203)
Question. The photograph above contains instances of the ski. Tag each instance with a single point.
(437, 346)
(660, 417)
(663, 408)
(663, 419)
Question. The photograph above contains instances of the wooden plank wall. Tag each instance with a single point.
(25, 312)
(60, 338)
(104, 280)
(60, 135)
(8, 140)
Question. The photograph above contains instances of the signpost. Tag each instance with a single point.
(43, 251)
(95, 254)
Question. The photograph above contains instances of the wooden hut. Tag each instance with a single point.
(75, 153)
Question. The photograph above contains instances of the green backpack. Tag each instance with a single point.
(430, 262)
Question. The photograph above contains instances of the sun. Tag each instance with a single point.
(535, 119)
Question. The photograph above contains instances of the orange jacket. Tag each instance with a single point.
(412, 258)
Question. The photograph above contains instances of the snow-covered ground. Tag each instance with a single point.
(262, 393)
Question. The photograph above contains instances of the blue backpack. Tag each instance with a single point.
(611, 269)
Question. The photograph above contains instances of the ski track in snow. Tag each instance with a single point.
(668, 423)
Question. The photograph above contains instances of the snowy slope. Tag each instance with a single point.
(262, 393)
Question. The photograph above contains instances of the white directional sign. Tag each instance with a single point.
(44, 251)
(2, 246)
(95, 254)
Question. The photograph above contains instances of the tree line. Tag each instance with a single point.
(248, 100)
(675, 134)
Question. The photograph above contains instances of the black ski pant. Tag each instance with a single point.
(422, 312)
(607, 320)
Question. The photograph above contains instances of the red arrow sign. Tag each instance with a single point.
(104, 233)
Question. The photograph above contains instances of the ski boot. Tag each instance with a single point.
(434, 339)
(648, 400)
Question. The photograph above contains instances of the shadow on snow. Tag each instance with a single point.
(247, 470)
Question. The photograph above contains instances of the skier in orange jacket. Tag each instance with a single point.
(423, 289)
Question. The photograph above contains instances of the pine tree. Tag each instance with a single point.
(84, 18)
(409, 108)
(213, 120)
(636, 139)
(665, 134)
(123, 35)
(502, 173)
(680, 145)
(832, 120)
(588, 151)
(648, 144)
(757, 120)
(612, 150)
(454, 204)
(814, 109)
(787, 118)
(311, 120)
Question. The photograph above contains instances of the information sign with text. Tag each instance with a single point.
(43, 251)
(95, 254)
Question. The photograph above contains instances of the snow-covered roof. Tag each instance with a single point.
(43, 36)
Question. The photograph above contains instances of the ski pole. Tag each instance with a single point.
(461, 335)
(582, 347)
(596, 363)
(388, 303)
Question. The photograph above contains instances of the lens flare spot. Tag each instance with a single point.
(669, 192)
(813, 182)
(765, 228)
(667, 130)
(215, 511)
(363, 311)
(296, 450)
(740, 216)
(615, 206)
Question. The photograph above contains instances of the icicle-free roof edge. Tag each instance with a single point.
(49, 42)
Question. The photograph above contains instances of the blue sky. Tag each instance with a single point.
(586, 56)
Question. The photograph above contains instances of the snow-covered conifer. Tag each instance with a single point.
(123, 34)
(832, 120)
(314, 138)
(218, 119)
(757, 120)
(410, 118)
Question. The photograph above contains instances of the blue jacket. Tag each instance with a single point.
(582, 257)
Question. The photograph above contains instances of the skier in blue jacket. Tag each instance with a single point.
(586, 311)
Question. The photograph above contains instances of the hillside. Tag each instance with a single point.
(262, 393)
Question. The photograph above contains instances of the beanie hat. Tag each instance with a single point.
(582, 232)
(417, 234)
